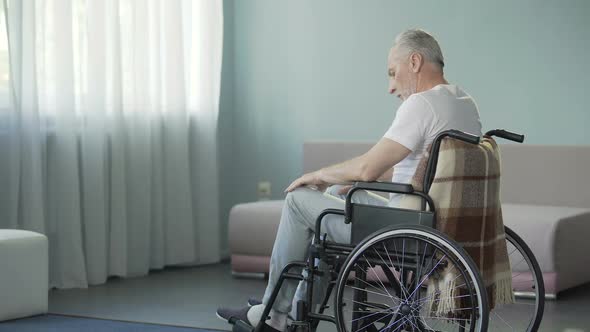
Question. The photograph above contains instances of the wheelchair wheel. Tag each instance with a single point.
(526, 312)
(410, 279)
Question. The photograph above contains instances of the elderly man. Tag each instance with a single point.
(430, 105)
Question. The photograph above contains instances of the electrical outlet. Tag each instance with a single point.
(264, 190)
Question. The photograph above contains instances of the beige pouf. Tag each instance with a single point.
(24, 274)
(252, 231)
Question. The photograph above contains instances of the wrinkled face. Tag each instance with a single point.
(402, 81)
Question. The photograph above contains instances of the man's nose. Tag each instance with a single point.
(391, 87)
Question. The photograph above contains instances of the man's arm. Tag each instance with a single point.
(387, 176)
(367, 167)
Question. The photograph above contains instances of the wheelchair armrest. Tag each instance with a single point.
(390, 187)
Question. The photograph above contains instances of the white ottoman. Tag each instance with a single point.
(24, 274)
(252, 231)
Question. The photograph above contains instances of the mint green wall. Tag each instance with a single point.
(316, 70)
(225, 127)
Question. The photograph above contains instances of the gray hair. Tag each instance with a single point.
(420, 41)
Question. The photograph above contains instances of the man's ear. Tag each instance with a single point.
(416, 62)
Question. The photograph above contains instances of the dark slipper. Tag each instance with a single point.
(233, 315)
(253, 301)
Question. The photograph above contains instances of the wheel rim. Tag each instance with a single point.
(399, 299)
(526, 312)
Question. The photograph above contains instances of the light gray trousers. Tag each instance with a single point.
(295, 233)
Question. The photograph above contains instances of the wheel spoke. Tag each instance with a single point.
(429, 273)
(402, 286)
(425, 299)
(397, 328)
(366, 304)
(517, 264)
(372, 314)
(359, 279)
(368, 291)
(379, 279)
(373, 322)
(510, 326)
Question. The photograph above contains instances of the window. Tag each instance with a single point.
(4, 62)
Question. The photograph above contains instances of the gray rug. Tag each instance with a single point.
(63, 323)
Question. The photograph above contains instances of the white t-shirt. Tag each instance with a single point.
(423, 116)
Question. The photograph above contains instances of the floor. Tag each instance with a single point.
(189, 297)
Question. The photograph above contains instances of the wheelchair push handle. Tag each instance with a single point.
(460, 135)
(506, 135)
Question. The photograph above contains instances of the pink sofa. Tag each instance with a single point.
(545, 200)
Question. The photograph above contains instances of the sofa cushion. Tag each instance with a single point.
(548, 175)
(558, 237)
(253, 227)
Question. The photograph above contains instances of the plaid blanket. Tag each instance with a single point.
(465, 191)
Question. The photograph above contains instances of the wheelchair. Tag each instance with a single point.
(380, 280)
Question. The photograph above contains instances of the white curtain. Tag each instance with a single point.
(109, 143)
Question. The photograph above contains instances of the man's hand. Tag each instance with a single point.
(367, 167)
(312, 179)
(344, 190)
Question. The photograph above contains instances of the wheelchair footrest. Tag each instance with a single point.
(241, 326)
